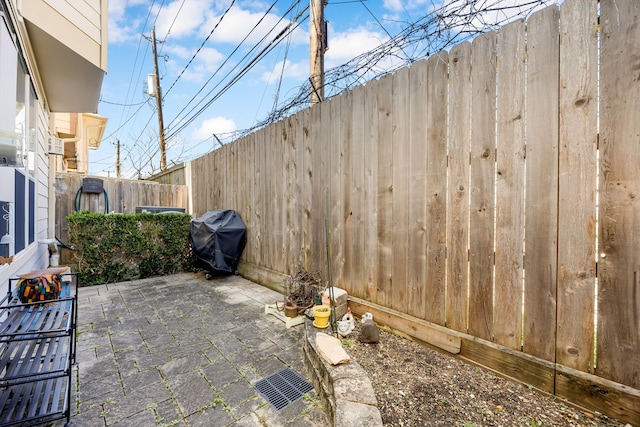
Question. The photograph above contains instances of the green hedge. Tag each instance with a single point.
(117, 247)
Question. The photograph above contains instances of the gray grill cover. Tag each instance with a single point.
(218, 239)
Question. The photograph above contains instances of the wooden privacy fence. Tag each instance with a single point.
(466, 199)
(122, 196)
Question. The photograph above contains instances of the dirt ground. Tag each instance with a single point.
(418, 386)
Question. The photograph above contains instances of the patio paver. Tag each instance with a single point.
(183, 351)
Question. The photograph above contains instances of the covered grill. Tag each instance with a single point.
(218, 238)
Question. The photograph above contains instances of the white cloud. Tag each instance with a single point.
(179, 51)
(235, 26)
(347, 45)
(210, 57)
(197, 18)
(402, 5)
(181, 18)
(214, 125)
(121, 27)
(395, 5)
(294, 70)
(207, 61)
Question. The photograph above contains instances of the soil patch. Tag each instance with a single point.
(418, 386)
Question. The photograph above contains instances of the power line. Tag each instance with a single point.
(242, 72)
(227, 59)
(440, 29)
(201, 46)
(135, 62)
(272, 44)
(127, 121)
(132, 116)
(175, 18)
(380, 23)
(452, 23)
(376, 19)
(120, 104)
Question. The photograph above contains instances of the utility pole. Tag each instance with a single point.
(158, 95)
(317, 46)
(118, 159)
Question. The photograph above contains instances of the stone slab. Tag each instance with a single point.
(331, 349)
(356, 415)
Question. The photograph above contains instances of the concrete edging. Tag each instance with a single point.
(344, 389)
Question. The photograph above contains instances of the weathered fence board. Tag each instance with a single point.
(266, 241)
(436, 172)
(307, 188)
(618, 288)
(458, 187)
(277, 194)
(346, 188)
(257, 215)
(384, 228)
(507, 320)
(293, 179)
(541, 204)
(483, 147)
(371, 161)
(334, 128)
(357, 212)
(417, 238)
(400, 190)
(320, 128)
(576, 227)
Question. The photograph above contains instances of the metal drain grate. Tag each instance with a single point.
(282, 388)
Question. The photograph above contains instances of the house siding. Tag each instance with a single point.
(76, 24)
(33, 177)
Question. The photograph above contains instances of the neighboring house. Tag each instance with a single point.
(53, 56)
(77, 133)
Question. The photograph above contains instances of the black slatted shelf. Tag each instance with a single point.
(37, 350)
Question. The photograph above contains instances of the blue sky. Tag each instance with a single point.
(204, 44)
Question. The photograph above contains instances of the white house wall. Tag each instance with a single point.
(77, 24)
(43, 193)
(34, 256)
(9, 56)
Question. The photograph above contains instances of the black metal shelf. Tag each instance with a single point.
(37, 351)
(35, 402)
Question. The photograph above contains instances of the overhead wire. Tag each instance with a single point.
(224, 90)
(157, 14)
(142, 36)
(380, 23)
(270, 46)
(227, 59)
(438, 30)
(175, 18)
(284, 63)
(200, 48)
(131, 116)
(120, 104)
(226, 87)
(276, 96)
(135, 62)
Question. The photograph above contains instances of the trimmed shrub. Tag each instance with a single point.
(118, 247)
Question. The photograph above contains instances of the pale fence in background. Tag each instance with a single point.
(122, 196)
